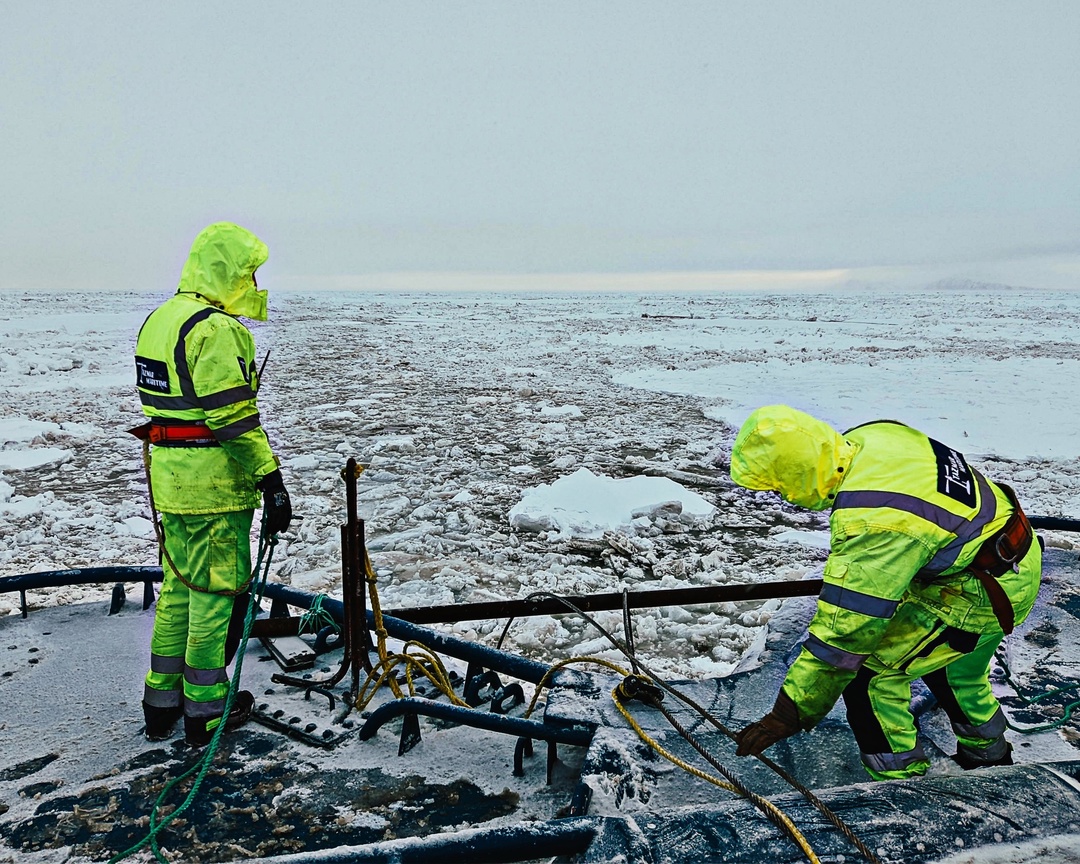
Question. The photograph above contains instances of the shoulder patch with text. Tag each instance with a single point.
(152, 374)
(954, 477)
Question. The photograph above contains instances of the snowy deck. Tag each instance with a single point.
(77, 779)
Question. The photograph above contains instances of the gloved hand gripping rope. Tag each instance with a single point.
(648, 687)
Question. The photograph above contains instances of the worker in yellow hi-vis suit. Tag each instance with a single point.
(931, 565)
(197, 380)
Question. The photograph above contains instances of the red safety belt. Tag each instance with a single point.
(175, 434)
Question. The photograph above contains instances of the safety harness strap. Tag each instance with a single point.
(1000, 552)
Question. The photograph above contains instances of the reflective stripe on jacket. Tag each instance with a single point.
(195, 361)
(908, 516)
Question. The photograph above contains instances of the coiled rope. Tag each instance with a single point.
(419, 661)
(315, 618)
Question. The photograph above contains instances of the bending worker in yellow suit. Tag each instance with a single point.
(197, 381)
(930, 566)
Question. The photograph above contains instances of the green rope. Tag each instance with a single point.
(1031, 700)
(266, 545)
(316, 618)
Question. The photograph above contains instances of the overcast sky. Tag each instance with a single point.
(837, 140)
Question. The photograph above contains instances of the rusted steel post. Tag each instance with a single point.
(356, 640)
(360, 647)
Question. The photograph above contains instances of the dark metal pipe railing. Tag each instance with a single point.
(78, 576)
(1054, 523)
(556, 838)
(489, 658)
(90, 575)
(606, 602)
(402, 623)
(488, 720)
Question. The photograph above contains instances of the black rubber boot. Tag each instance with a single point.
(969, 758)
(195, 728)
(160, 721)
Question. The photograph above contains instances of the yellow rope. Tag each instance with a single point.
(598, 661)
(428, 664)
(380, 630)
(761, 803)
(771, 810)
(667, 754)
(421, 661)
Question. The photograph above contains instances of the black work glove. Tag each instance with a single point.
(276, 504)
(778, 724)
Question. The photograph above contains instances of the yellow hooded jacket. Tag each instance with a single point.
(196, 362)
(909, 515)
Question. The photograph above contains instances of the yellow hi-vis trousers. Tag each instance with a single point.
(954, 664)
(191, 624)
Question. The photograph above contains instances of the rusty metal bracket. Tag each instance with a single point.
(477, 681)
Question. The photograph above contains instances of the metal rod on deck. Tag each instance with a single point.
(356, 641)
(357, 557)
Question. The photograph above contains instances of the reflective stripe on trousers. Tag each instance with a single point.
(895, 762)
(878, 700)
(212, 551)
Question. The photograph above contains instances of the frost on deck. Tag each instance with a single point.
(77, 780)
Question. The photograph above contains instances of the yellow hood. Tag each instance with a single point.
(220, 267)
(784, 450)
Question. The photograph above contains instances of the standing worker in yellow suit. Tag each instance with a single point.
(930, 566)
(197, 380)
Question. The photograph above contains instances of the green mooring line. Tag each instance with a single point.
(1031, 700)
(266, 547)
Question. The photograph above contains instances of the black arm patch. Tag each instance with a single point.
(248, 371)
(954, 477)
(152, 375)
